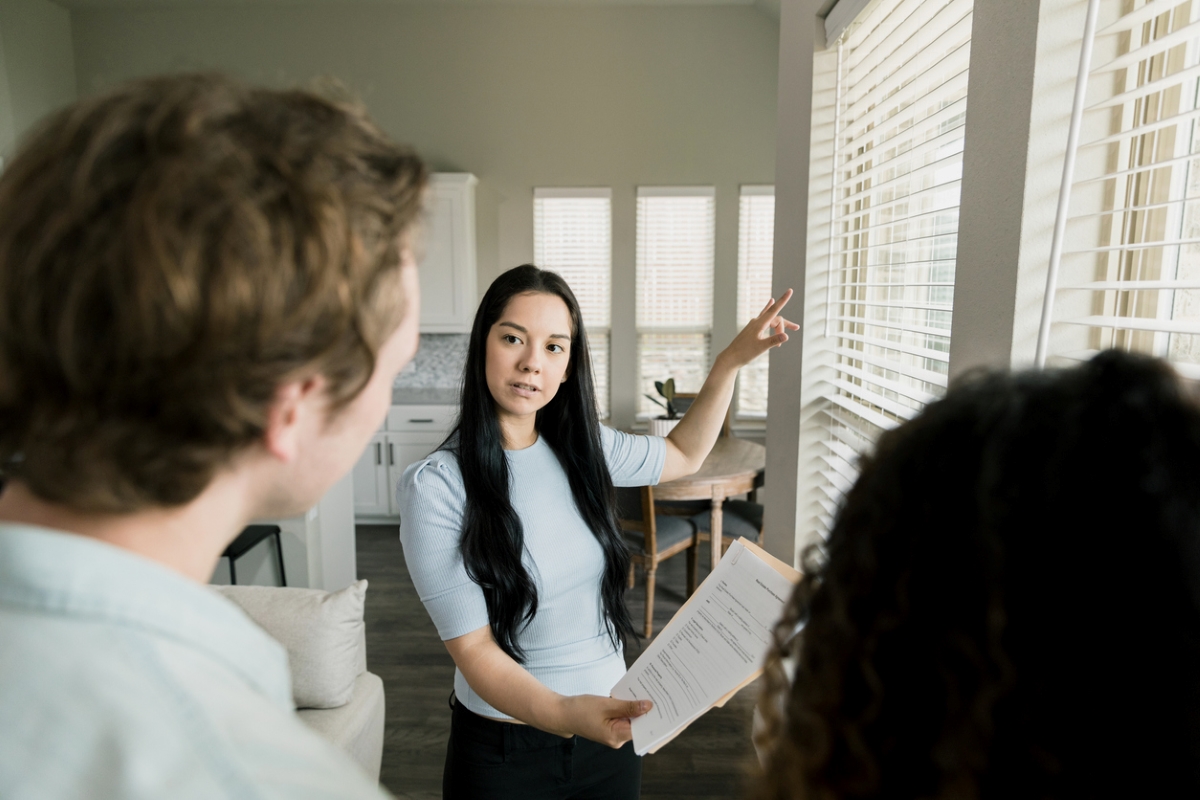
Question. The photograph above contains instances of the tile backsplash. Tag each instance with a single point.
(438, 364)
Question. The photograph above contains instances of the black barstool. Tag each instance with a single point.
(246, 540)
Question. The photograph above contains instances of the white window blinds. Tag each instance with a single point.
(674, 288)
(1129, 273)
(900, 109)
(572, 235)
(756, 243)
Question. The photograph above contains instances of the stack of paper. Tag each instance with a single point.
(715, 644)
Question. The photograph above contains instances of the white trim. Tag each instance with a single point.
(839, 18)
(676, 191)
(555, 191)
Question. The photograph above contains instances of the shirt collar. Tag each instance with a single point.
(75, 576)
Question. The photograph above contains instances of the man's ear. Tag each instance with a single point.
(295, 402)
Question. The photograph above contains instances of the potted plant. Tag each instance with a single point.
(662, 425)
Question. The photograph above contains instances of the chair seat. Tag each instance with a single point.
(738, 518)
(670, 532)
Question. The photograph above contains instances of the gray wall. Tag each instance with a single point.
(37, 65)
(522, 96)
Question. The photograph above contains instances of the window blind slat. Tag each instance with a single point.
(925, 376)
(1131, 286)
(1140, 130)
(899, 347)
(912, 392)
(1141, 169)
(1128, 209)
(1150, 49)
(1145, 90)
(1132, 246)
(944, 191)
(870, 415)
(879, 178)
(1139, 324)
(1135, 18)
(898, 325)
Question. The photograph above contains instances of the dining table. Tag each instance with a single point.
(733, 467)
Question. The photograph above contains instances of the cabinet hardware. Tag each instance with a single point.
(391, 455)
(378, 453)
(421, 420)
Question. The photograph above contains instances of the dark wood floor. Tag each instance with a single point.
(711, 759)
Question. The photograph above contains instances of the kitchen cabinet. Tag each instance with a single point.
(410, 433)
(448, 264)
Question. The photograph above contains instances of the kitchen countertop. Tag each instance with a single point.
(424, 397)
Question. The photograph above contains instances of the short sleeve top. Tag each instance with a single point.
(566, 644)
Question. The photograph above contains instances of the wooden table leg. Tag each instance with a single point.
(715, 525)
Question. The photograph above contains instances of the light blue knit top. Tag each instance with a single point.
(566, 644)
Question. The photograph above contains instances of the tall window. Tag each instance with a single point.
(674, 288)
(572, 235)
(756, 243)
(1130, 268)
(899, 114)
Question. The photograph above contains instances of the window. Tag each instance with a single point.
(572, 235)
(756, 242)
(899, 112)
(1129, 274)
(674, 288)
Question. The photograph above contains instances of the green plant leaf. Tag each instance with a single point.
(656, 401)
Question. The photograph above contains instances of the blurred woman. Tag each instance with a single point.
(1008, 605)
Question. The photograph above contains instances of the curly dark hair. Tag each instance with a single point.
(1008, 605)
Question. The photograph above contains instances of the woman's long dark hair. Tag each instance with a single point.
(492, 538)
(1008, 605)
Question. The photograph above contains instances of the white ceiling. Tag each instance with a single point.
(768, 7)
(82, 4)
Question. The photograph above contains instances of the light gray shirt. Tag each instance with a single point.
(566, 644)
(121, 679)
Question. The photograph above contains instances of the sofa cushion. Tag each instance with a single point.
(357, 727)
(322, 632)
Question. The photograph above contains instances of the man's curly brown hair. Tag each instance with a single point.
(1008, 604)
(171, 252)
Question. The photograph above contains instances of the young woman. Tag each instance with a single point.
(511, 538)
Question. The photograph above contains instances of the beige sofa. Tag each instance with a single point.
(325, 638)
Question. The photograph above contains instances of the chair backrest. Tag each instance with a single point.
(635, 512)
(688, 397)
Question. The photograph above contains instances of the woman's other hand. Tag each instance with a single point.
(602, 719)
(765, 331)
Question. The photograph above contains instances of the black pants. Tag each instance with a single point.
(488, 760)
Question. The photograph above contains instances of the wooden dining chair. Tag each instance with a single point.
(738, 518)
(652, 538)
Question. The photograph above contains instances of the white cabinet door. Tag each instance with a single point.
(405, 449)
(371, 496)
(448, 267)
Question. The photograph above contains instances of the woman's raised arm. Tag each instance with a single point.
(693, 438)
